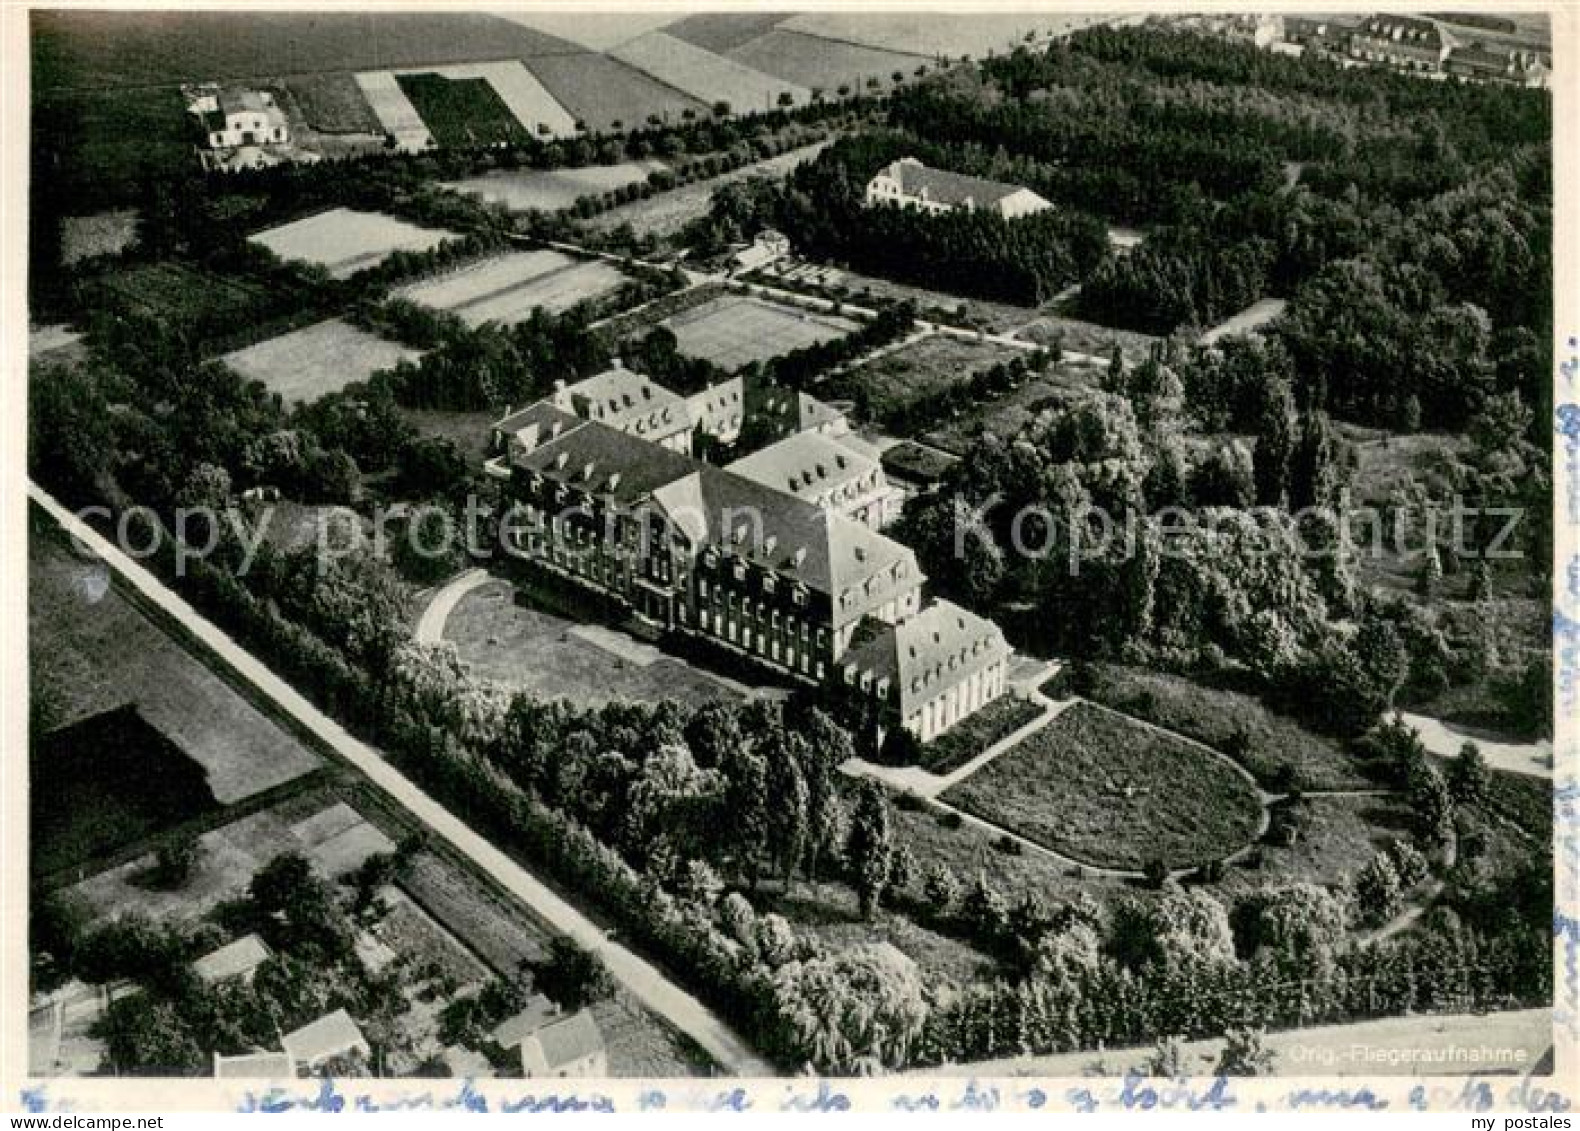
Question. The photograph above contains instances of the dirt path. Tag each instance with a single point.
(645, 981)
(1533, 759)
(430, 625)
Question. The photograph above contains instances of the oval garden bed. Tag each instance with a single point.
(1108, 791)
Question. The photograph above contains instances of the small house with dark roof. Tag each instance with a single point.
(570, 1048)
(907, 183)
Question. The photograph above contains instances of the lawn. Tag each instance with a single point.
(1279, 751)
(1106, 790)
(555, 291)
(309, 363)
(1247, 321)
(344, 241)
(551, 190)
(424, 943)
(735, 330)
(965, 740)
(665, 213)
(472, 432)
(707, 77)
(913, 463)
(602, 91)
(94, 651)
(1338, 835)
(824, 64)
(333, 103)
(550, 656)
(485, 279)
(196, 301)
(885, 388)
(461, 112)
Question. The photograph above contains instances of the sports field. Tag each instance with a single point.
(734, 331)
(551, 190)
(509, 288)
(323, 358)
(344, 241)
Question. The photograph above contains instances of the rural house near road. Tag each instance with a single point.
(910, 184)
(234, 118)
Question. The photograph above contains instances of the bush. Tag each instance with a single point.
(572, 975)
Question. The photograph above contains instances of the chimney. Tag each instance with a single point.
(614, 481)
(561, 460)
(616, 363)
(587, 471)
(799, 556)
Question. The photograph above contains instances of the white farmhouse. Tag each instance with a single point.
(236, 118)
(910, 184)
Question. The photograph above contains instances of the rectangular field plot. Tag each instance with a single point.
(394, 110)
(734, 331)
(510, 288)
(705, 76)
(96, 652)
(193, 299)
(344, 241)
(812, 62)
(549, 191)
(306, 364)
(484, 103)
(887, 387)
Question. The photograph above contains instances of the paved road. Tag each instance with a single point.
(430, 625)
(1534, 759)
(640, 977)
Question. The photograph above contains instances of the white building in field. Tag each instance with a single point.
(233, 119)
(907, 183)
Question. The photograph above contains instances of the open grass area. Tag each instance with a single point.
(1280, 752)
(103, 233)
(1088, 338)
(736, 330)
(913, 463)
(549, 190)
(707, 77)
(557, 290)
(95, 651)
(934, 33)
(307, 364)
(884, 388)
(344, 241)
(722, 32)
(484, 280)
(528, 648)
(665, 213)
(603, 91)
(1109, 791)
(970, 737)
(461, 112)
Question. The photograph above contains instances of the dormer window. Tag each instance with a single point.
(562, 460)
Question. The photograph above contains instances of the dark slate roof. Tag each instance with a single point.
(924, 654)
(1411, 31)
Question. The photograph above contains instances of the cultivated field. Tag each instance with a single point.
(666, 213)
(95, 651)
(1279, 751)
(602, 91)
(306, 364)
(104, 233)
(509, 288)
(344, 241)
(551, 190)
(478, 103)
(889, 385)
(395, 112)
(705, 76)
(734, 331)
(812, 62)
(1109, 791)
(550, 656)
(934, 33)
(1003, 417)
